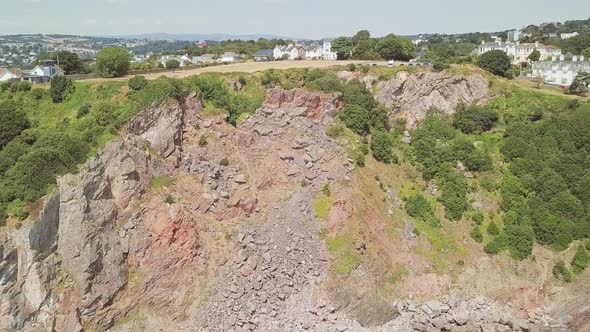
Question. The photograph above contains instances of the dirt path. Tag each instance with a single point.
(247, 67)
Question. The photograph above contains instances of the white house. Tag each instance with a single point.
(569, 35)
(205, 58)
(519, 52)
(228, 57)
(6, 74)
(314, 52)
(514, 35)
(560, 72)
(327, 51)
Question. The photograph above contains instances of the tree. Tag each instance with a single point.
(70, 62)
(361, 36)
(381, 146)
(535, 55)
(580, 260)
(12, 122)
(474, 119)
(586, 53)
(580, 84)
(61, 87)
(112, 62)
(496, 62)
(172, 64)
(343, 47)
(137, 83)
(392, 47)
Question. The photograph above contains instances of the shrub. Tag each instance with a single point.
(137, 83)
(112, 62)
(440, 66)
(493, 228)
(419, 207)
(365, 69)
(474, 119)
(202, 141)
(224, 162)
(454, 195)
(24, 86)
(83, 110)
(381, 146)
(520, 240)
(61, 87)
(477, 218)
(172, 64)
(38, 94)
(561, 272)
(12, 122)
(580, 260)
(351, 67)
(476, 235)
(495, 246)
(270, 79)
(335, 131)
(496, 62)
(573, 104)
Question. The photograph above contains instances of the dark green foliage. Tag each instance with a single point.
(61, 87)
(573, 104)
(477, 218)
(83, 110)
(454, 194)
(580, 84)
(520, 239)
(224, 162)
(420, 208)
(561, 272)
(496, 245)
(580, 260)
(38, 94)
(12, 122)
(535, 55)
(172, 64)
(381, 146)
(270, 79)
(392, 47)
(474, 119)
(476, 234)
(322, 80)
(70, 62)
(343, 47)
(496, 62)
(493, 229)
(112, 62)
(202, 141)
(440, 66)
(137, 83)
(24, 86)
(361, 112)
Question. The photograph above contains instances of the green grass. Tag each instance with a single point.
(160, 182)
(322, 205)
(342, 247)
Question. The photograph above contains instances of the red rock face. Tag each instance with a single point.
(317, 105)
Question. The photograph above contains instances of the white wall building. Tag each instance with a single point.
(314, 51)
(560, 72)
(6, 74)
(519, 52)
(514, 35)
(569, 35)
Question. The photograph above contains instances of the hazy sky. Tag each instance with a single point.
(293, 18)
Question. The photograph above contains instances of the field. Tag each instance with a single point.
(252, 67)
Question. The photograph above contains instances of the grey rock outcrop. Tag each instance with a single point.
(411, 96)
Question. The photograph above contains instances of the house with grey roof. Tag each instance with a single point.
(263, 55)
(560, 71)
(8, 74)
(43, 73)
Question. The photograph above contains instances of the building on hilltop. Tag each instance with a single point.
(560, 71)
(315, 51)
(43, 73)
(263, 55)
(519, 52)
(229, 57)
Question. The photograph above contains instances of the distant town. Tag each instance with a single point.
(552, 52)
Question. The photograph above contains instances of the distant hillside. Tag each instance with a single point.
(197, 37)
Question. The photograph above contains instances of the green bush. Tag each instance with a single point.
(474, 119)
(83, 110)
(495, 246)
(137, 83)
(419, 207)
(477, 218)
(476, 235)
(224, 162)
(172, 64)
(24, 86)
(202, 141)
(493, 228)
(381, 146)
(496, 62)
(38, 94)
(270, 79)
(440, 66)
(112, 62)
(12, 122)
(454, 195)
(580, 260)
(561, 272)
(61, 87)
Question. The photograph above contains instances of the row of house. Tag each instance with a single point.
(185, 60)
(42, 73)
(519, 52)
(315, 51)
(561, 71)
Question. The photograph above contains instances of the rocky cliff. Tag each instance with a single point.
(411, 96)
(207, 228)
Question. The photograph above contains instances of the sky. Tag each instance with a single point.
(290, 18)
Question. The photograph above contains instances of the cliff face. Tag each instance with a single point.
(71, 263)
(411, 96)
